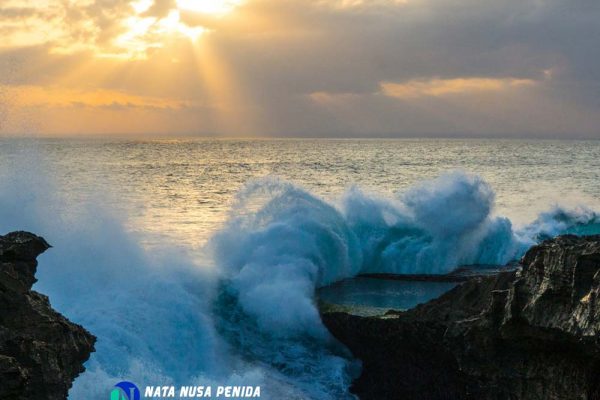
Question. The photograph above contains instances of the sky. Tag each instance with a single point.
(301, 68)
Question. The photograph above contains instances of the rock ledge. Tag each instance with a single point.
(41, 352)
(530, 334)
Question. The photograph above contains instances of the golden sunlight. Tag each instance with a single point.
(144, 32)
(213, 7)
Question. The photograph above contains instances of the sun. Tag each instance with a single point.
(212, 7)
(144, 32)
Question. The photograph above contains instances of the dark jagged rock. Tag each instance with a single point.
(461, 274)
(41, 352)
(530, 334)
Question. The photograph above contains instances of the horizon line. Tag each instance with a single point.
(162, 136)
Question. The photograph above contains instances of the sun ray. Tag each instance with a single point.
(213, 7)
(235, 112)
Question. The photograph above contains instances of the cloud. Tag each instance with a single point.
(13, 14)
(328, 67)
(160, 8)
(451, 87)
(57, 97)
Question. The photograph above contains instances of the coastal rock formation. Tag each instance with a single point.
(529, 334)
(41, 352)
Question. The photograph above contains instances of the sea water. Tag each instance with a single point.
(375, 297)
(195, 262)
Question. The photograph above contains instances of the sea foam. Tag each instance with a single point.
(247, 314)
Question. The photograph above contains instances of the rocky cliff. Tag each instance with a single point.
(530, 334)
(41, 352)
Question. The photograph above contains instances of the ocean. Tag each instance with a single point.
(195, 261)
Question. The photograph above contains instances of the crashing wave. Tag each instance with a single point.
(166, 320)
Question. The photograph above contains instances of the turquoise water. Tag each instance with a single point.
(376, 296)
(197, 262)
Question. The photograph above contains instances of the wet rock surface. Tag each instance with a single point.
(526, 334)
(41, 352)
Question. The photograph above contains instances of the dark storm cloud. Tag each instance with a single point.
(316, 47)
(355, 48)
